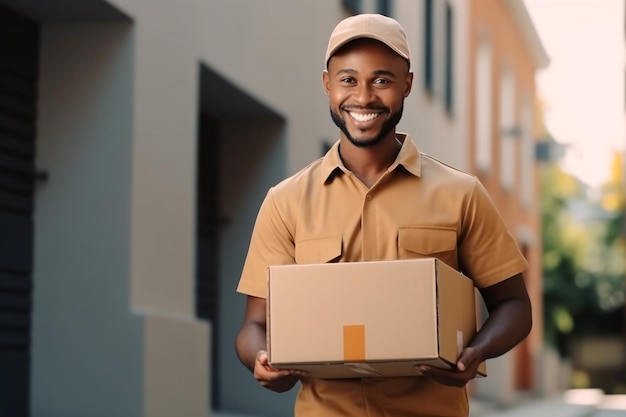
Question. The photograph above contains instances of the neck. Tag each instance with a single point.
(369, 163)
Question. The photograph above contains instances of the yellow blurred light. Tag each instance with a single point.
(563, 319)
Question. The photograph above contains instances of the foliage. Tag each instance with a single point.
(584, 260)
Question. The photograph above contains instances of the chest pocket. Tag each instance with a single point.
(428, 242)
(317, 250)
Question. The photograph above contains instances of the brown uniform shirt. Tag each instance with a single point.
(419, 208)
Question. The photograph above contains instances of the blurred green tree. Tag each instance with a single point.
(584, 258)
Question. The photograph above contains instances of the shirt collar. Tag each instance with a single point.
(409, 157)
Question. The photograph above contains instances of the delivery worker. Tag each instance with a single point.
(374, 196)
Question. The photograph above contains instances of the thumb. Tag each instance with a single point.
(263, 359)
(261, 356)
(468, 357)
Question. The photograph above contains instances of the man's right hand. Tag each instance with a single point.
(271, 378)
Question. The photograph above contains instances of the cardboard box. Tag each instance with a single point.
(368, 319)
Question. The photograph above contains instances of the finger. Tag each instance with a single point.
(422, 369)
(261, 357)
(281, 384)
(469, 356)
(299, 373)
(265, 374)
(450, 377)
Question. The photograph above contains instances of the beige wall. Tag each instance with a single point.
(509, 49)
(176, 363)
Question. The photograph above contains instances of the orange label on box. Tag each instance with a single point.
(354, 343)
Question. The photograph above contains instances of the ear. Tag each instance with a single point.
(326, 81)
(408, 84)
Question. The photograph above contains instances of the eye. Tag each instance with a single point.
(381, 81)
(347, 80)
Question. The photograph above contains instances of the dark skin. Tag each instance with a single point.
(366, 84)
(251, 348)
(509, 322)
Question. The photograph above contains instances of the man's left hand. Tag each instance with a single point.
(466, 368)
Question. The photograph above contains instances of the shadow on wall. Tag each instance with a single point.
(243, 152)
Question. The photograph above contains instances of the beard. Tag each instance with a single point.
(389, 125)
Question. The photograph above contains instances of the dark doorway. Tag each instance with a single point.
(19, 51)
(241, 152)
(207, 235)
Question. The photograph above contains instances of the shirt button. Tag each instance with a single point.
(368, 197)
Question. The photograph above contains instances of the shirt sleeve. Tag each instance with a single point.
(488, 253)
(271, 243)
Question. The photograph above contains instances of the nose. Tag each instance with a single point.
(365, 94)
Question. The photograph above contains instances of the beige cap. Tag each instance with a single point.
(372, 26)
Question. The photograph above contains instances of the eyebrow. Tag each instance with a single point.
(377, 72)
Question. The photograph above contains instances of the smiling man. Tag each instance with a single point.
(374, 196)
(370, 95)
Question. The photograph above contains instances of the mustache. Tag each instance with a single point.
(351, 107)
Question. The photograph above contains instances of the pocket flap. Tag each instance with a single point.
(426, 240)
(318, 249)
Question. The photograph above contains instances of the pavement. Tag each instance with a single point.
(573, 403)
(536, 408)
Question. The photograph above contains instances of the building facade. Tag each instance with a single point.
(137, 140)
(505, 53)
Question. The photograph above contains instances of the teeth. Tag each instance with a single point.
(364, 117)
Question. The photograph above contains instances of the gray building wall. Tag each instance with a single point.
(84, 336)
